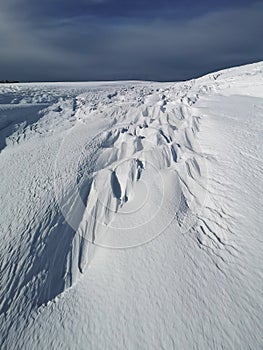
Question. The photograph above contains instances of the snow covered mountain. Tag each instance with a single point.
(131, 214)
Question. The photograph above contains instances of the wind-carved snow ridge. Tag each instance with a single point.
(143, 173)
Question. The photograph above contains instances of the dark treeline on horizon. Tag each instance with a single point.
(8, 81)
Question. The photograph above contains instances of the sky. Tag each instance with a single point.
(163, 40)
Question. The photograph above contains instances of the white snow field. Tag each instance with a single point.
(131, 214)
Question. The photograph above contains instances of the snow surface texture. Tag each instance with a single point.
(131, 214)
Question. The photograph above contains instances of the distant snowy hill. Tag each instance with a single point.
(131, 214)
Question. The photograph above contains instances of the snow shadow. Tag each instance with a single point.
(15, 116)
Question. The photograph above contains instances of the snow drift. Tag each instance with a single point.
(144, 198)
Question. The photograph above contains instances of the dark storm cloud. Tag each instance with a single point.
(118, 8)
(94, 47)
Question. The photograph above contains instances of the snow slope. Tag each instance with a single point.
(131, 214)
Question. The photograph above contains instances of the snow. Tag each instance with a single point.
(131, 214)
